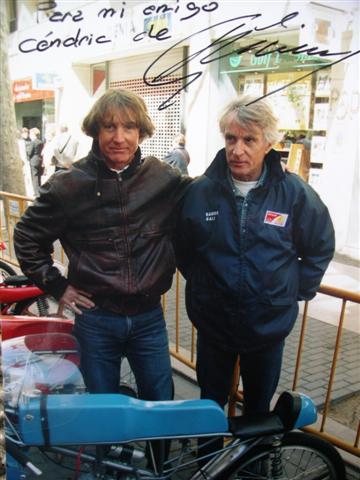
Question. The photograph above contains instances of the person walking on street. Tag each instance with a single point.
(65, 149)
(179, 157)
(25, 146)
(35, 159)
(25, 138)
(252, 241)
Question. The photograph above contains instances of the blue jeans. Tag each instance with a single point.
(106, 337)
(260, 373)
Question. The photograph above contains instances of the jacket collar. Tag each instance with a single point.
(99, 160)
(218, 170)
(102, 171)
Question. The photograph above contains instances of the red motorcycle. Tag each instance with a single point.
(19, 296)
(26, 309)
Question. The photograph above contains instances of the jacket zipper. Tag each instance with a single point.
(126, 236)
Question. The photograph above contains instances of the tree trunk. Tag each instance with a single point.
(11, 165)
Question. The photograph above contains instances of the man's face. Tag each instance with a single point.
(119, 138)
(245, 150)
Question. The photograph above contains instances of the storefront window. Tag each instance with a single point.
(299, 91)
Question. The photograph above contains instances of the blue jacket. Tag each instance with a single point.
(244, 281)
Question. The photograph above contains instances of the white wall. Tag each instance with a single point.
(339, 182)
(205, 98)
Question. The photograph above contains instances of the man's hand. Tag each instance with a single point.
(74, 298)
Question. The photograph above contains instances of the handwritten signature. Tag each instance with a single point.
(214, 51)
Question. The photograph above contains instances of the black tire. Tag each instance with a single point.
(6, 270)
(303, 456)
(42, 306)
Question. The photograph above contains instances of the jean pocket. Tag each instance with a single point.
(89, 310)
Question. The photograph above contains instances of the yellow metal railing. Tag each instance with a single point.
(187, 358)
(345, 297)
(12, 206)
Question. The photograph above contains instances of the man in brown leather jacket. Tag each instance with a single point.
(113, 213)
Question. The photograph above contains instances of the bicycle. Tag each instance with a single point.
(111, 436)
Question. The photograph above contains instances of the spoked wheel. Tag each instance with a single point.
(5, 271)
(128, 384)
(42, 306)
(127, 380)
(302, 457)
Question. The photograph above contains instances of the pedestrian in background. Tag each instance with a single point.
(65, 149)
(252, 241)
(24, 143)
(35, 159)
(48, 155)
(179, 157)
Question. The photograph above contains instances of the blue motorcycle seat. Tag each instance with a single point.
(113, 418)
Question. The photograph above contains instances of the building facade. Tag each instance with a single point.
(187, 59)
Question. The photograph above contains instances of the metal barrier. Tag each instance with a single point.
(12, 206)
(187, 357)
(345, 296)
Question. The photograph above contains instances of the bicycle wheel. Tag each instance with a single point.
(5, 271)
(128, 384)
(303, 457)
(42, 306)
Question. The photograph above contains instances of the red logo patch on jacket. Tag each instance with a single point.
(276, 218)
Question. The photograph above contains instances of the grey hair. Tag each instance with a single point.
(247, 111)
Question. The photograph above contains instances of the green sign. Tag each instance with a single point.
(271, 61)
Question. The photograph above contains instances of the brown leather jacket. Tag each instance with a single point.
(115, 228)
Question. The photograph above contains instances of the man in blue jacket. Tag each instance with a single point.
(253, 241)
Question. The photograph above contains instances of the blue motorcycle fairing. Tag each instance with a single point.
(113, 418)
(308, 412)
